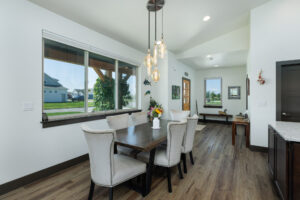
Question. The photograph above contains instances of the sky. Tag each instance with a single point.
(71, 76)
(213, 85)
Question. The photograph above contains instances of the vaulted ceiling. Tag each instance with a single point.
(126, 21)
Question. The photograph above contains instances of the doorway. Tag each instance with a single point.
(186, 94)
(288, 91)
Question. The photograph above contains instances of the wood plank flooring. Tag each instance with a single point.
(221, 171)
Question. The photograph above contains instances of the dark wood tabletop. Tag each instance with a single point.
(142, 137)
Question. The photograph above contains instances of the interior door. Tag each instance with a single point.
(186, 94)
(290, 90)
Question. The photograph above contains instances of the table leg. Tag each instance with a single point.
(233, 133)
(248, 135)
(204, 118)
(149, 171)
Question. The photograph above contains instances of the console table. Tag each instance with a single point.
(216, 115)
(243, 122)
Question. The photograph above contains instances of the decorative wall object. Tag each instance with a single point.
(148, 92)
(234, 92)
(175, 92)
(147, 82)
(261, 80)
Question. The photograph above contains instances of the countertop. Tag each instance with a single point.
(290, 131)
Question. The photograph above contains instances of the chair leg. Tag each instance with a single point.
(144, 185)
(115, 149)
(138, 179)
(184, 162)
(91, 190)
(179, 171)
(191, 158)
(111, 193)
(169, 180)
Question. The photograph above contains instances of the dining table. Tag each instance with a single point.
(143, 138)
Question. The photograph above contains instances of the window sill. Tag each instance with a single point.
(206, 106)
(73, 119)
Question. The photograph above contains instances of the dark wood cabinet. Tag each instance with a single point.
(296, 171)
(284, 165)
(271, 151)
(281, 166)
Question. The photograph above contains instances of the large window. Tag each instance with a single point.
(77, 81)
(213, 92)
(127, 86)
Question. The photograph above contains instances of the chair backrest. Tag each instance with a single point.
(188, 139)
(179, 115)
(118, 122)
(101, 150)
(176, 132)
(139, 118)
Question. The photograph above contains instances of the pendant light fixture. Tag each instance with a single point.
(155, 75)
(155, 48)
(159, 47)
(162, 45)
(148, 58)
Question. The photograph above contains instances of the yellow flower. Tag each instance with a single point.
(158, 111)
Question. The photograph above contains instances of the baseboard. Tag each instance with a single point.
(214, 121)
(258, 148)
(12, 185)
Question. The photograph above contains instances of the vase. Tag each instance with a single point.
(156, 123)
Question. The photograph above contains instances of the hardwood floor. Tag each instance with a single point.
(221, 171)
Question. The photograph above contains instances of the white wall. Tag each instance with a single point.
(176, 73)
(159, 90)
(275, 37)
(25, 147)
(171, 73)
(231, 76)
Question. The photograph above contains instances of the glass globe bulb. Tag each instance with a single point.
(162, 49)
(148, 62)
(155, 54)
(149, 70)
(155, 75)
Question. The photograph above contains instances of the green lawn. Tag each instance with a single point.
(214, 103)
(62, 113)
(78, 104)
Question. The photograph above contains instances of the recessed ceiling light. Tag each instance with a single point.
(209, 57)
(206, 18)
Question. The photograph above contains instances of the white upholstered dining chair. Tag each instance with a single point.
(118, 122)
(169, 156)
(179, 115)
(139, 118)
(109, 169)
(188, 140)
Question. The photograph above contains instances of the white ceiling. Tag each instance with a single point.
(227, 50)
(126, 20)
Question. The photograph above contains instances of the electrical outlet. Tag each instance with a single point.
(27, 106)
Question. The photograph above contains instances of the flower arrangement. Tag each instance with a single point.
(155, 110)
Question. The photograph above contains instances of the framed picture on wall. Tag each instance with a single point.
(175, 92)
(248, 86)
(234, 92)
(247, 90)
